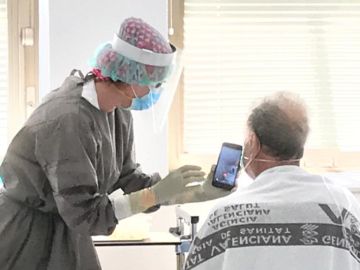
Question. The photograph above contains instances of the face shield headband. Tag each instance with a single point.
(143, 56)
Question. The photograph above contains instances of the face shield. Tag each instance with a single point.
(139, 55)
(166, 93)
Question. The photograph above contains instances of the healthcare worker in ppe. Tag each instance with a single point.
(69, 173)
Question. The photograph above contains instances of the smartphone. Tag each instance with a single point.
(227, 166)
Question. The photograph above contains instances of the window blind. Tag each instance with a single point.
(3, 77)
(237, 51)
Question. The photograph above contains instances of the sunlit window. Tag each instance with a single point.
(238, 51)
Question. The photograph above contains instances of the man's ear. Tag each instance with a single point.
(254, 143)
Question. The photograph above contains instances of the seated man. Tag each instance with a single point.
(287, 218)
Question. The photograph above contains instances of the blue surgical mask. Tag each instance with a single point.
(147, 101)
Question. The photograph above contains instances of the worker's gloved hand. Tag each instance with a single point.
(203, 192)
(175, 183)
(172, 189)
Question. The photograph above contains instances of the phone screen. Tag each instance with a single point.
(227, 166)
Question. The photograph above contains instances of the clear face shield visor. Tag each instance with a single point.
(157, 102)
(152, 70)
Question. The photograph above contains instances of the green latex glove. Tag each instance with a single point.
(203, 192)
(175, 183)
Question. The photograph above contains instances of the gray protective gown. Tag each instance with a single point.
(58, 171)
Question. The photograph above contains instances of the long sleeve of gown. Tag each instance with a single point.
(67, 150)
(132, 178)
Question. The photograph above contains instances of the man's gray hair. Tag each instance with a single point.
(281, 124)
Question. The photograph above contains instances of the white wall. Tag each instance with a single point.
(78, 27)
(70, 31)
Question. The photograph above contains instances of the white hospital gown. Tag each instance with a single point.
(287, 219)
